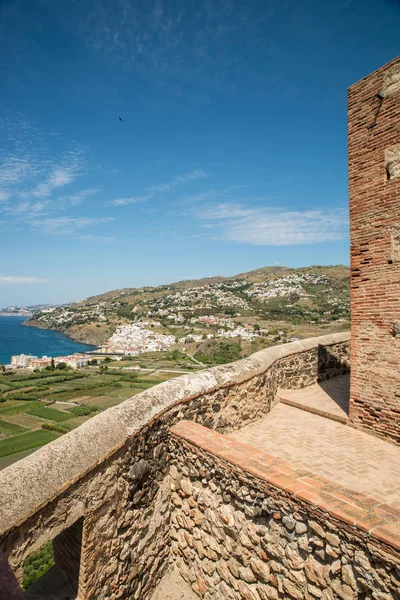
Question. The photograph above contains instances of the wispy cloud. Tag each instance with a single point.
(16, 279)
(15, 169)
(274, 226)
(130, 200)
(32, 170)
(178, 180)
(167, 42)
(58, 178)
(208, 195)
(161, 188)
(98, 238)
(80, 196)
(67, 225)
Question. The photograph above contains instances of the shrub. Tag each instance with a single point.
(54, 427)
(84, 410)
(37, 564)
(23, 396)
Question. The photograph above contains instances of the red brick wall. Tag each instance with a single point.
(374, 128)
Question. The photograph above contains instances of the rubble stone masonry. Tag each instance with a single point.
(247, 525)
(374, 180)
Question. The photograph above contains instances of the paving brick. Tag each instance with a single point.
(330, 450)
(328, 399)
(346, 504)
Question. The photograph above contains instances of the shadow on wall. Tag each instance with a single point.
(9, 584)
(338, 389)
(329, 362)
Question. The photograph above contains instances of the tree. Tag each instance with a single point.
(52, 363)
(61, 365)
(175, 354)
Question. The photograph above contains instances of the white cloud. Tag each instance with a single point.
(167, 42)
(15, 279)
(208, 195)
(78, 197)
(162, 187)
(58, 178)
(99, 238)
(131, 200)
(178, 180)
(32, 170)
(15, 169)
(273, 226)
(67, 225)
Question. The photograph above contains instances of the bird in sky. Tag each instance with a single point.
(120, 119)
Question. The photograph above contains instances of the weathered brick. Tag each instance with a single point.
(374, 182)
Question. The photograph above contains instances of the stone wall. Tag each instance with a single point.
(374, 181)
(247, 527)
(112, 472)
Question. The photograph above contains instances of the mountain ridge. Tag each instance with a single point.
(307, 295)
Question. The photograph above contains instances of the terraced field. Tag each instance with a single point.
(36, 408)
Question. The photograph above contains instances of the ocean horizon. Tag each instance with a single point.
(17, 339)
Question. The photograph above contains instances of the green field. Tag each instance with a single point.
(49, 413)
(25, 441)
(38, 407)
(10, 428)
(11, 407)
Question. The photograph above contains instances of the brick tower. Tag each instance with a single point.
(374, 180)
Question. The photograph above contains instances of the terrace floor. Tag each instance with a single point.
(328, 399)
(331, 449)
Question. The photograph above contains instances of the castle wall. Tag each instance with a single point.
(113, 471)
(374, 181)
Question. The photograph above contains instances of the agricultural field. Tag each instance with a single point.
(38, 407)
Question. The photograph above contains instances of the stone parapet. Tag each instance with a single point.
(37, 479)
(111, 473)
(381, 522)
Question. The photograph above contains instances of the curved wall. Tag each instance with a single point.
(111, 474)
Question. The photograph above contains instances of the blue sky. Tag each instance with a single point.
(232, 150)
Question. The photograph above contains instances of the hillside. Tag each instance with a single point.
(301, 302)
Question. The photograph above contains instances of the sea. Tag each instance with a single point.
(17, 339)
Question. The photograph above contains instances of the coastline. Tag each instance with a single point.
(90, 334)
(37, 341)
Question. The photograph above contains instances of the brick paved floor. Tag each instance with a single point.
(336, 451)
(329, 398)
